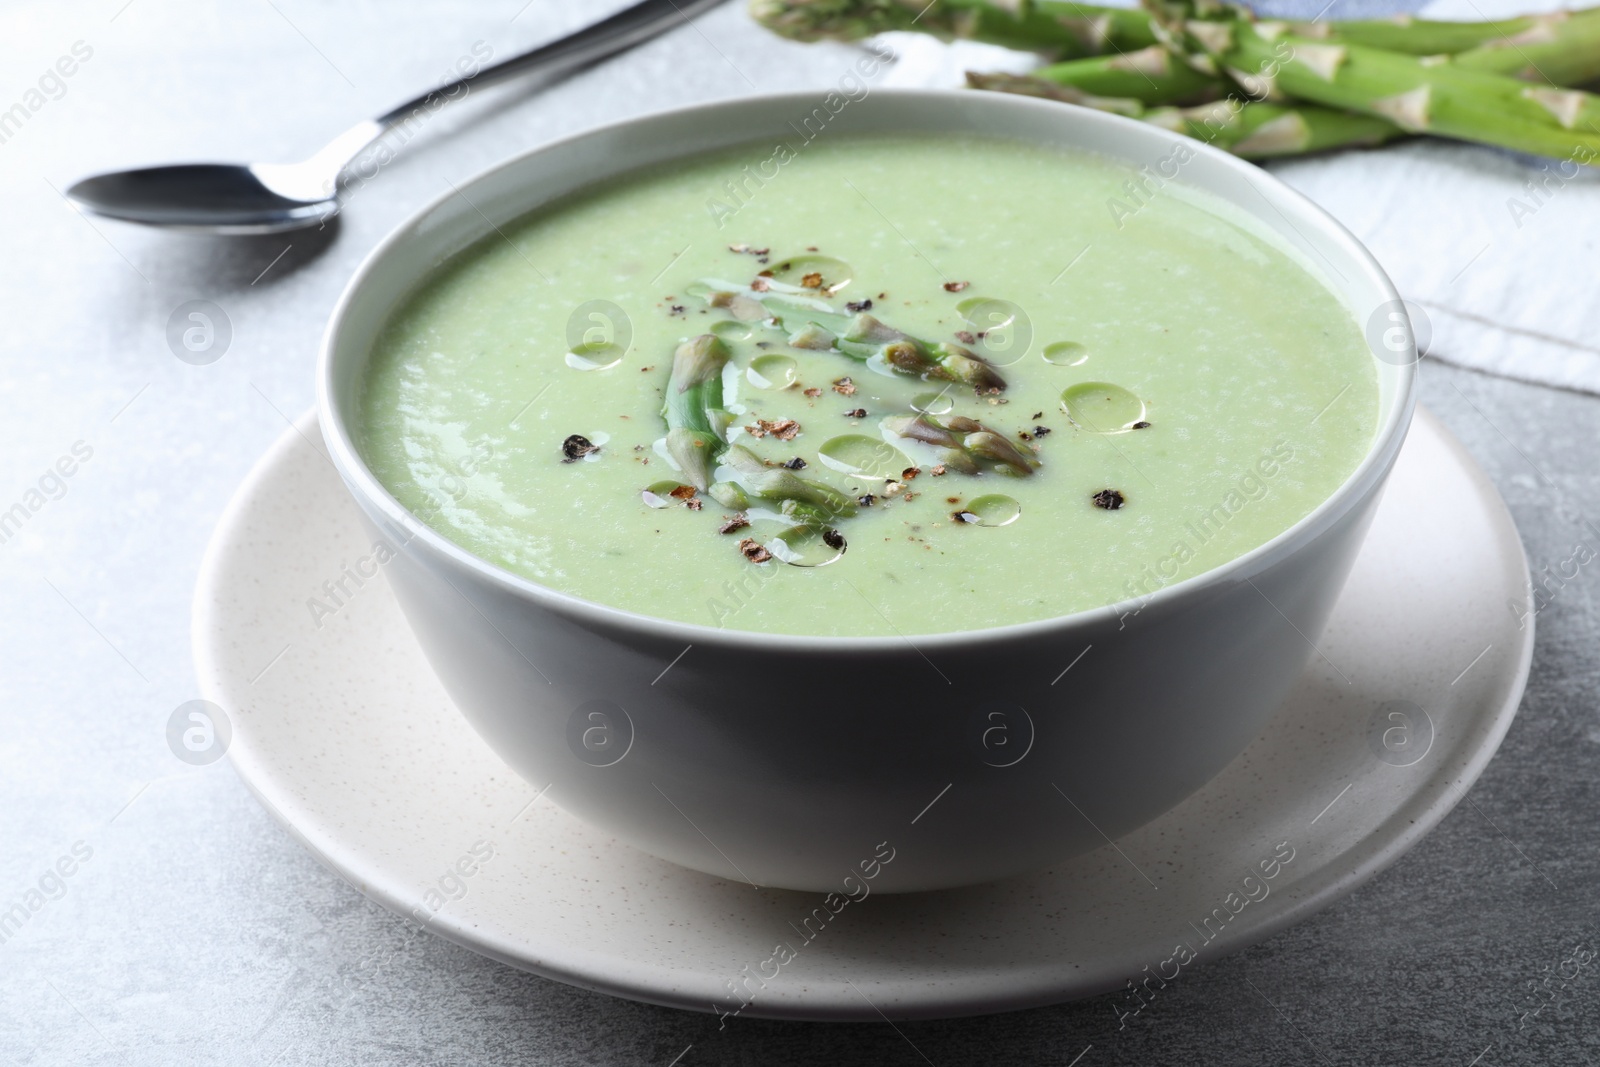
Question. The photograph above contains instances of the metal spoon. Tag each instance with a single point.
(235, 198)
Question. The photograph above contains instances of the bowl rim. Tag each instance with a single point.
(1366, 477)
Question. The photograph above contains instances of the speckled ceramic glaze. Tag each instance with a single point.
(1048, 735)
(350, 740)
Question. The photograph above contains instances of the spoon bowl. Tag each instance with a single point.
(224, 198)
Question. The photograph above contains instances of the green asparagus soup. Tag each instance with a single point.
(882, 387)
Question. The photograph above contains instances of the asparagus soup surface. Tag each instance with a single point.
(912, 386)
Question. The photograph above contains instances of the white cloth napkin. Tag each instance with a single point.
(1505, 278)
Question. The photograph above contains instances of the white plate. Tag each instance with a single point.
(344, 734)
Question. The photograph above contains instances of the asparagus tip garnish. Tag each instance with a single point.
(693, 407)
(948, 362)
(697, 361)
(962, 444)
(812, 337)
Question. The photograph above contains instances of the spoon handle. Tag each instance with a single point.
(625, 29)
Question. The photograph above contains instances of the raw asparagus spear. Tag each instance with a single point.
(1253, 129)
(1426, 37)
(1152, 76)
(1260, 130)
(1561, 48)
(1414, 94)
(1028, 85)
(1053, 26)
(1558, 47)
(962, 444)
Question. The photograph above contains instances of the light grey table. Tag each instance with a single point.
(197, 931)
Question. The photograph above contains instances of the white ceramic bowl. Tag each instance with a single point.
(885, 746)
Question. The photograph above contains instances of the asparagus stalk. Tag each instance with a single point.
(1259, 130)
(1557, 48)
(1424, 37)
(1413, 94)
(1029, 85)
(1056, 27)
(1251, 129)
(1560, 48)
(1152, 76)
(962, 444)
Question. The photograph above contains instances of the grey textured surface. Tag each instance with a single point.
(199, 932)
